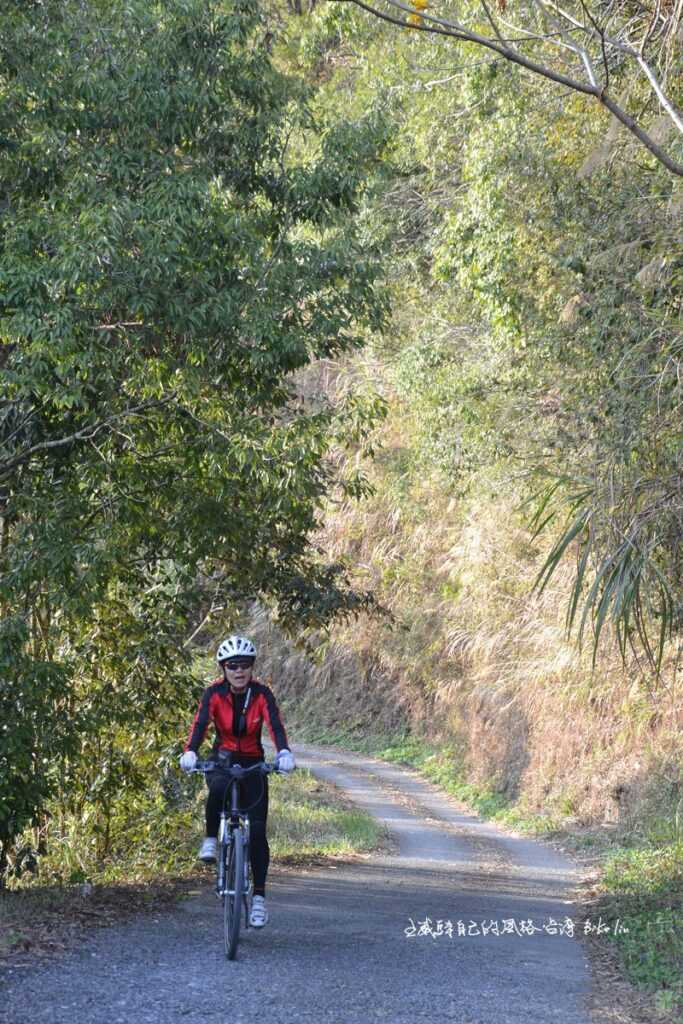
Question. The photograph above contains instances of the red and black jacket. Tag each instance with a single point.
(243, 736)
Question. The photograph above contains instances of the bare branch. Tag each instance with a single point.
(581, 53)
(212, 611)
(119, 325)
(631, 51)
(657, 89)
(452, 29)
(458, 32)
(492, 22)
(601, 33)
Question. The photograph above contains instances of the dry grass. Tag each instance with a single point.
(472, 656)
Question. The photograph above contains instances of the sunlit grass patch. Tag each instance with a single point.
(643, 890)
(309, 819)
(443, 766)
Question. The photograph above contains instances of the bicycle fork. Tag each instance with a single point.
(226, 837)
(224, 841)
(247, 887)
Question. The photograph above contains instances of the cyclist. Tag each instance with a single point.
(238, 704)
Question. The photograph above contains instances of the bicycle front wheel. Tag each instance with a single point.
(232, 896)
(248, 890)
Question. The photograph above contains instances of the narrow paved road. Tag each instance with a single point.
(336, 949)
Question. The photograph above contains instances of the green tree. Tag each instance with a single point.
(168, 262)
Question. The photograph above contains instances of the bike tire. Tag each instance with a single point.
(232, 898)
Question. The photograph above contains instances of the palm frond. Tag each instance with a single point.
(619, 586)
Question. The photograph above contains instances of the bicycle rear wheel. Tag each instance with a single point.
(232, 897)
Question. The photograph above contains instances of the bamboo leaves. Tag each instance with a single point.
(621, 586)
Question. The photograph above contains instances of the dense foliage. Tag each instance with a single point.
(192, 206)
(536, 262)
(171, 253)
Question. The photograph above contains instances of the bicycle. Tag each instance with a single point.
(233, 869)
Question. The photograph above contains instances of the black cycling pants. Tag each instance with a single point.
(254, 800)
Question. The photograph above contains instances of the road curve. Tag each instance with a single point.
(347, 944)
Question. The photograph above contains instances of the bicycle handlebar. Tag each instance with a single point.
(236, 770)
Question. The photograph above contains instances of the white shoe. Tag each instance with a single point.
(207, 851)
(259, 914)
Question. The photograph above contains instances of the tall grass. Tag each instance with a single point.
(470, 654)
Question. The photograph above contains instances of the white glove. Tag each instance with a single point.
(188, 760)
(284, 760)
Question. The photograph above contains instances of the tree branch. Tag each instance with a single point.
(440, 26)
(86, 434)
(212, 611)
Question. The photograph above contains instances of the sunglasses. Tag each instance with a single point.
(234, 663)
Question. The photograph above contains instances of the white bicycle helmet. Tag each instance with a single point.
(235, 646)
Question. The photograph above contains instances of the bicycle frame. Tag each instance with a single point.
(233, 850)
(234, 827)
